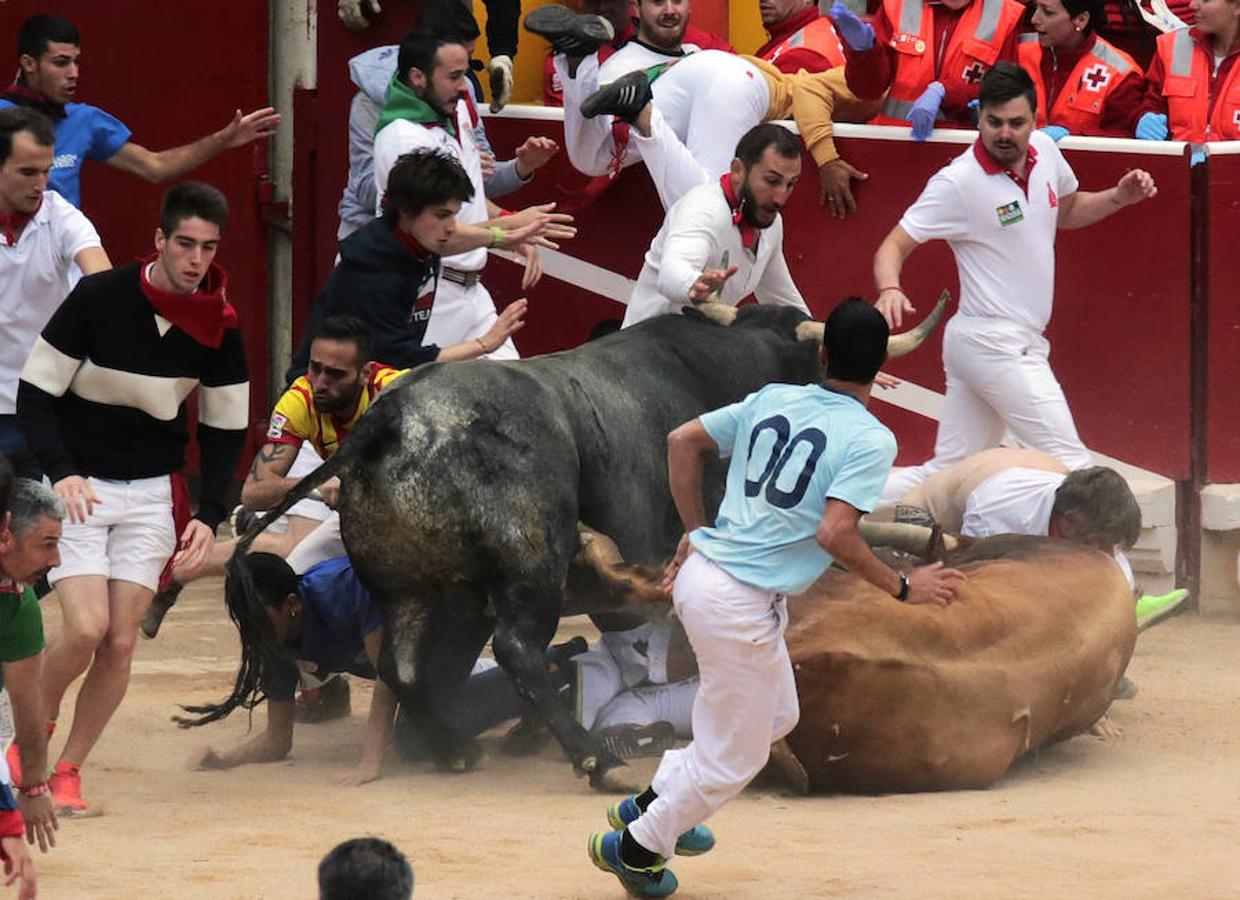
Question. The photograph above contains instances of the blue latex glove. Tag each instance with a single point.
(1055, 132)
(926, 109)
(857, 34)
(1152, 127)
(1198, 156)
(975, 110)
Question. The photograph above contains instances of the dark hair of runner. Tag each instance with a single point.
(189, 200)
(418, 50)
(752, 145)
(347, 329)
(23, 118)
(421, 179)
(1006, 81)
(43, 29)
(253, 583)
(855, 340)
(365, 867)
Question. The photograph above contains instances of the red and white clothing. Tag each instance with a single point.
(917, 42)
(1199, 93)
(461, 313)
(1095, 90)
(1001, 229)
(805, 42)
(701, 232)
(35, 278)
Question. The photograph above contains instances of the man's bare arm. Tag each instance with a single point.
(92, 260)
(266, 484)
(272, 745)
(164, 165)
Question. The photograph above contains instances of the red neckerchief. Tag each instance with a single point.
(781, 31)
(15, 222)
(204, 315)
(749, 234)
(992, 166)
(411, 244)
(22, 95)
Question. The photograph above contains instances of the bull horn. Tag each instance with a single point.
(897, 344)
(911, 539)
(717, 312)
(908, 341)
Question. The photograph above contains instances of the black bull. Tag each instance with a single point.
(462, 487)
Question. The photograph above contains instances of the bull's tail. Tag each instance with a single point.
(261, 651)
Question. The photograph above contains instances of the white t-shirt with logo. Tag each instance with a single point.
(35, 278)
(1003, 236)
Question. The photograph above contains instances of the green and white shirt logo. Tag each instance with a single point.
(1009, 213)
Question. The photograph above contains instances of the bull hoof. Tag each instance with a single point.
(465, 759)
(589, 764)
(615, 781)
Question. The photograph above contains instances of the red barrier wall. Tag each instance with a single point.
(1223, 428)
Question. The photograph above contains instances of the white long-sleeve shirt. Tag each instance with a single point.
(696, 235)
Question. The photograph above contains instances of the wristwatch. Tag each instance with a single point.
(903, 595)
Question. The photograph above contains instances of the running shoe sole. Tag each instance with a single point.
(1155, 612)
(624, 98)
(569, 32)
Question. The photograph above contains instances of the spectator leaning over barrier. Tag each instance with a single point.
(1193, 91)
(998, 205)
(49, 51)
(1085, 85)
(929, 58)
(29, 548)
(43, 237)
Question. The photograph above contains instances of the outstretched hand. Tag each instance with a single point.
(261, 123)
(835, 181)
(711, 281)
(1135, 186)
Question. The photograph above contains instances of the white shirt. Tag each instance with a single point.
(402, 136)
(1003, 238)
(1019, 501)
(696, 235)
(34, 281)
(633, 56)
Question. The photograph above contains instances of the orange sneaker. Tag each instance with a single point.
(66, 785)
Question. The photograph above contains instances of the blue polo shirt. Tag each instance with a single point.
(337, 614)
(793, 447)
(86, 132)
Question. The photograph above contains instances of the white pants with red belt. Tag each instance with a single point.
(746, 700)
(999, 381)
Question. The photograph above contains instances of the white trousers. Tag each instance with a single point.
(999, 380)
(652, 703)
(462, 314)
(746, 700)
(703, 105)
(318, 546)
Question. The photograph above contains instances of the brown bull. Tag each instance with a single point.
(916, 698)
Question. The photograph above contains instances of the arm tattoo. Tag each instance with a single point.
(267, 457)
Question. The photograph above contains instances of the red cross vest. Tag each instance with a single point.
(1080, 104)
(983, 29)
(1186, 85)
(818, 36)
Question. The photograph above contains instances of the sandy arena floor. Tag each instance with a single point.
(1155, 813)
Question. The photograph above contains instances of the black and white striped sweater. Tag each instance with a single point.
(103, 391)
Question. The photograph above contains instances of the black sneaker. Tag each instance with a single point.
(159, 607)
(624, 98)
(570, 33)
(633, 741)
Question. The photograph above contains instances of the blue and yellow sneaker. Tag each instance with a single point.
(657, 881)
(694, 842)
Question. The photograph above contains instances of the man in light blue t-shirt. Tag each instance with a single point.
(48, 49)
(807, 462)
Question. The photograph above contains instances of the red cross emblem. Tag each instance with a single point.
(1096, 78)
(973, 74)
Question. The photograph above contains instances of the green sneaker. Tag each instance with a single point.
(657, 881)
(1151, 609)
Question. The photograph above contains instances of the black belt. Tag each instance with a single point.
(457, 276)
